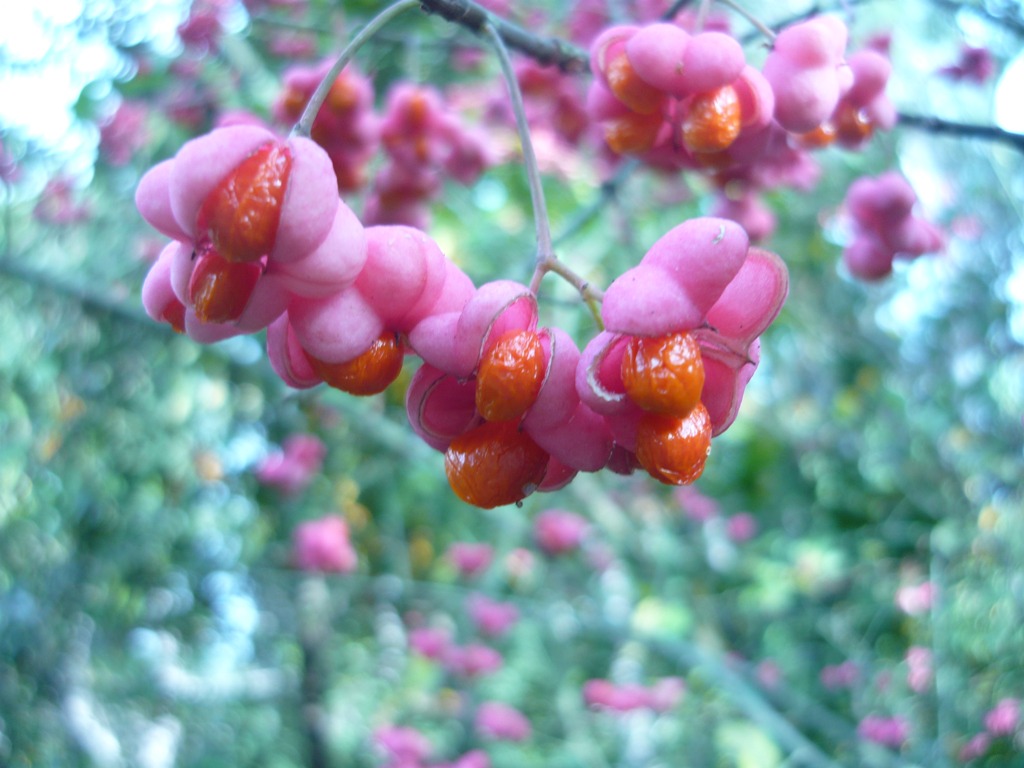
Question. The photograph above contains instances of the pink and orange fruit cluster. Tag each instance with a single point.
(884, 226)
(260, 239)
(683, 99)
(686, 100)
(423, 141)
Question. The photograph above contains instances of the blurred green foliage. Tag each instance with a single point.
(149, 611)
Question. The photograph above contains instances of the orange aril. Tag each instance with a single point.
(632, 133)
(510, 376)
(174, 315)
(663, 374)
(674, 451)
(852, 126)
(219, 290)
(494, 464)
(239, 218)
(713, 120)
(820, 137)
(368, 374)
(629, 88)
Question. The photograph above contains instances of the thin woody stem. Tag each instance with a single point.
(702, 15)
(591, 295)
(305, 124)
(675, 8)
(968, 130)
(540, 209)
(756, 22)
(546, 259)
(544, 50)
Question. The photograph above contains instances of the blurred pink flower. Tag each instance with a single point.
(293, 468)
(1002, 719)
(430, 642)
(491, 617)
(919, 668)
(666, 693)
(915, 599)
(696, 505)
(187, 106)
(124, 133)
(839, 675)
(292, 45)
(469, 558)
(323, 545)
(880, 41)
(749, 211)
(768, 673)
(472, 660)
(203, 28)
(887, 731)
(975, 64)
(558, 531)
(495, 720)
(605, 694)
(402, 743)
(975, 747)
(56, 204)
(741, 527)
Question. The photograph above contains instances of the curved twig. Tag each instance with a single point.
(966, 130)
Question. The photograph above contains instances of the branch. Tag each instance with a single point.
(312, 600)
(515, 95)
(13, 268)
(546, 260)
(378, 22)
(754, 21)
(938, 125)
(545, 50)
(747, 698)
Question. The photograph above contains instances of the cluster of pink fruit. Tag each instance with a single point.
(680, 99)
(692, 100)
(423, 141)
(884, 227)
(260, 239)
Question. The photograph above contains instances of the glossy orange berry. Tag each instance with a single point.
(239, 218)
(343, 94)
(219, 290)
(674, 451)
(629, 88)
(494, 464)
(633, 133)
(852, 126)
(368, 374)
(664, 374)
(510, 376)
(820, 137)
(293, 101)
(417, 110)
(174, 315)
(713, 120)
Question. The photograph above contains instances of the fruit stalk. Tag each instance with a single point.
(305, 124)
